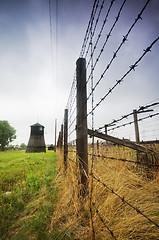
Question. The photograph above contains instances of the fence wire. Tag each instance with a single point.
(94, 51)
(122, 198)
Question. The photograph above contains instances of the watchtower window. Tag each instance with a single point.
(37, 129)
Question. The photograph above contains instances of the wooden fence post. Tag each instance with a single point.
(58, 141)
(136, 126)
(97, 147)
(81, 127)
(65, 138)
(61, 142)
(106, 129)
(55, 132)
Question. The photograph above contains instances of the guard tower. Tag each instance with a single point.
(36, 141)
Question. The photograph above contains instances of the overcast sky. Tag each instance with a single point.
(33, 90)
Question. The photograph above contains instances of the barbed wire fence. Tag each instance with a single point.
(87, 97)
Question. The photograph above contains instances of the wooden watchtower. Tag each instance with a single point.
(36, 141)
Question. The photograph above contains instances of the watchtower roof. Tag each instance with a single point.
(37, 125)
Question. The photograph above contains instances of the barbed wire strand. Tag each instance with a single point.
(125, 160)
(125, 201)
(92, 118)
(73, 87)
(106, 40)
(119, 159)
(94, 9)
(132, 67)
(128, 115)
(93, 30)
(125, 38)
(101, 30)
(111, 232)
(139, 120)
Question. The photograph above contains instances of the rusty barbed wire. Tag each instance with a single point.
(101, 30)
(96, 22)
(93, 13)
(122, 198)
(132, 67)
(71, 132)
(120, 159)
(102, 220)
(115, 121)
(125, 160)
(72, 97)
(92, 160)
(88, 48)
(115, 54)
(73, 87)
(106, 40)
(139, 120)
(141, 108)
(125, 38)
(72, 101)
(72, 122)
(71, 113)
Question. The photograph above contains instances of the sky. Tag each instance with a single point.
(37, 65)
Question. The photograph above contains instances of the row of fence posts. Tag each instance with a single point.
(81, 127)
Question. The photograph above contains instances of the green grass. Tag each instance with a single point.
(28, 194)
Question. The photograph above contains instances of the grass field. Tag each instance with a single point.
(28, 194)
(37, 202)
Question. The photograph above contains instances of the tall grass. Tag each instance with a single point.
(72, 214)
(27, 194)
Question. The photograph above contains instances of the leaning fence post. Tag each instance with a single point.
(81, 125)
(65, 138)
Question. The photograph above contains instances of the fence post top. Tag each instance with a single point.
(82, 60)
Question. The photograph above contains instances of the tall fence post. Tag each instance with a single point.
(136, 126)
(58, 141)
(106, 129)
(81, 128)
(61, 143)
(55, 132)
(65, 138)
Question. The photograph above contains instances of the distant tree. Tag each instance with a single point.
(7, 134)
(23, 146)
(10, 147)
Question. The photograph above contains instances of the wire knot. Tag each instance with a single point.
(124, 39)
(132, 67)
(118, 81)
(148, 49)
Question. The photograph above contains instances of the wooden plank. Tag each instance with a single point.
(119, 141)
